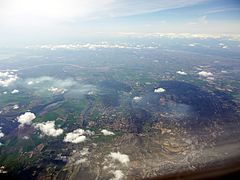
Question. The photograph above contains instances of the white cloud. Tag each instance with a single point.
(56, 90)
(118, 174)
(30, 82)
(80, 161)
(106, 132)
(137, 98)
(15, 91)
(205, 74)
(26, 118)
(7, 78)
(15, 106)
(159, 90)
(223, 46)
(84, 152)
(1, 133)
(48, 128)
(191, 45)
(181, 73)
(122, 158)
(75, 137)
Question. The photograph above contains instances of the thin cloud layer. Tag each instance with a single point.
(48, 128)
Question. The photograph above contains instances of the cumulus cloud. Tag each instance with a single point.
(26, 118)
(15, 106)
(118, 174)
(80, 161)
(15, 91)
(30, 82)
(159, 90)
(106, 132)
(77, 136)
(48, 128)
(122, 158)
(56, 90)
(181, 73)
(221, 45)
(205, 74)
(137, 98)
(1, 133)
(7, 78)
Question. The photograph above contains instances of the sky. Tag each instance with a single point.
(35, 21)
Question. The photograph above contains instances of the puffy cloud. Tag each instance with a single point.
(205, 74)
(75, 137)
(7, 78)
(80, 161)
(181, 73)
(1, 133)
(15, 91)
(26, 118)
(159, 90)
(106, 132)
(118, 174)
(15, 106)
(137, 98)
(84, 152)
(48, 128)
(223, 46)
(56, 90)
(122, 158)
(30, 82)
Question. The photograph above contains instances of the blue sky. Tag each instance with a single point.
(28, 20)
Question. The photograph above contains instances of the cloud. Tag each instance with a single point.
(69, 86)
(118, 174)
(1, 133)
(181, 73)
(75, 137)
(159, 90)
(122, 158)
(221, 45)
(91, 46)
(15, 91)
(15, 106)
(7, 78)
(106, 132)
(48, 128)
(30, 82)
(70, 10)
(203, 20)
(56, 90)
(80, 161)
(205, 74)
(26, 118)
(137, 98)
